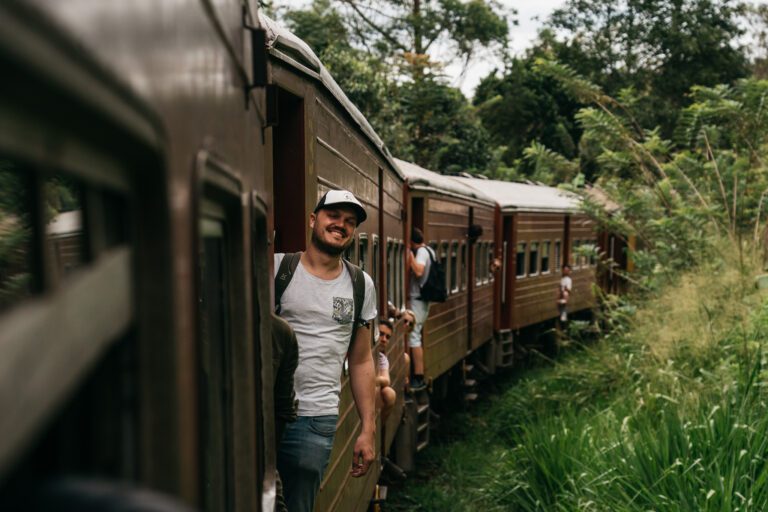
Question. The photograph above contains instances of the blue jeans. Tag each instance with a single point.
(302, 458)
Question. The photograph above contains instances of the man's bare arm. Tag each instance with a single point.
(362, 380)
(416, 267)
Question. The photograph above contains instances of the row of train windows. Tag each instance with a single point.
(357, 253)
(535, 258)
(453, 255)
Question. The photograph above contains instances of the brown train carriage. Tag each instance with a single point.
(537, 224)
(444, 209)
(150, 360)
(322, 142)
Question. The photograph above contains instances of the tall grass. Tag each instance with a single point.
(668, 412)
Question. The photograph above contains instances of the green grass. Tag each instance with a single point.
(666, 411)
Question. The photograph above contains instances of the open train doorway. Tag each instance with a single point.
(289, 167)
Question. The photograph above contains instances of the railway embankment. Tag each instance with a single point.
(666, 410)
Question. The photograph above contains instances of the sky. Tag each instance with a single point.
(531, 14)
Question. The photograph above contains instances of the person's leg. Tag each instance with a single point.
(388, 398)
(420, 310)
(302, 458)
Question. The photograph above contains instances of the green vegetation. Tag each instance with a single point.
(668, 410)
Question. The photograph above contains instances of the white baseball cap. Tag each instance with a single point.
(342, 197)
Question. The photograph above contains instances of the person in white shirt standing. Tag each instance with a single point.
(315, 292)
(566, 286)
(419, 262)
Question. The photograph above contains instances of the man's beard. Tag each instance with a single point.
(330, 250)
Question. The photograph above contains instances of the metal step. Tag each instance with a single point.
(422, 445)
(421, 428)
(470, 397)
(422, 408)
(470, 383)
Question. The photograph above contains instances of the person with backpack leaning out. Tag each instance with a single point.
(420, 260)
(329, 303)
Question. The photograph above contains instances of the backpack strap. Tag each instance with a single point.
(284, 275)
(358, 294)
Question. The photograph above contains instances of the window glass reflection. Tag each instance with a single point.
(15, 234)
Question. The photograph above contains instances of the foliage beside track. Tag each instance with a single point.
(668, 410)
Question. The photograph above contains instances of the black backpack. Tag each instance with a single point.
(433, 289)
(288, 266)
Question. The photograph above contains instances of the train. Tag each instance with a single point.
(154, 156)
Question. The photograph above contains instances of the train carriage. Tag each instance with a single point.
(539, 228)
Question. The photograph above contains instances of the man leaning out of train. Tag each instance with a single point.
(419, 262)
(330, 304)
(387, 395)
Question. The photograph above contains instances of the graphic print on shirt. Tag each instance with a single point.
(342, 309)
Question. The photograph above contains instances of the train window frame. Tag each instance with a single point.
(477, 249)
(533, 258)
(463, 264)
(443, 257)
(455, 275)
(219, 196)
(520, 273)
(593, 253)
(375, 262)
(558, 247)
(545, 256)
(401, 274)
(491, 256)
(390, 269)
(350, 253)
(362, 252)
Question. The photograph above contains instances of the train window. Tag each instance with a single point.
(533, 259)
(446, 264)
(455, 271)
(350, 253)
(390, 265)
(16, 234)
(593, 254)
(375, 260)
(520, 262)
(64, 235)
(491, 256)
(478, 258)
(545, 248)
(363, 251)
(400, 274)
(558, 256)
(463, 265)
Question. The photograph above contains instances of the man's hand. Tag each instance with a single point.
(363, 455)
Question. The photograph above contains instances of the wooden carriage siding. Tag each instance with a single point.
(199, 177)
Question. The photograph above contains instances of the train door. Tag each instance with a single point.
(290, 201)
(417, 221)
(471, 288)
(225, 378)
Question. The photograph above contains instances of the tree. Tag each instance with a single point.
(522, 106)
(658, 47)
(414, 28)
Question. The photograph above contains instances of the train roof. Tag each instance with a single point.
(294, 52)
(513, 197)
(420, 178)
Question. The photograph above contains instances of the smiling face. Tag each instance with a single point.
(333, 229)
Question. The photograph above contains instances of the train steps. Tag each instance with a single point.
(422, 419)
(469, 384)
(505, 349)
